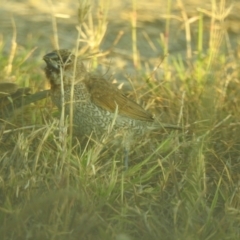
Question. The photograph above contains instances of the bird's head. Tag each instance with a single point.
(58, 59)
(61, 62)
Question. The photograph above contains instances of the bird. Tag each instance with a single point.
(99, 107)
(7, 88)
(13, 98)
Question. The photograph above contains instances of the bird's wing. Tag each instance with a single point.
(108, 97)
(9, 105)
(7, 88)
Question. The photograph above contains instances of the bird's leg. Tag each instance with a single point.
(126, 144)
(126, 159)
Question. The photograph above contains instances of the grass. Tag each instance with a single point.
(179, 185)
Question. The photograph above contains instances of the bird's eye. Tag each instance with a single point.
(66, 60)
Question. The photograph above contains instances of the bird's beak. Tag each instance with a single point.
(51, 60)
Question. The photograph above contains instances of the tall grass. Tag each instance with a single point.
(179, 185)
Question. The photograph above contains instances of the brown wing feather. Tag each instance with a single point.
(106, 95)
